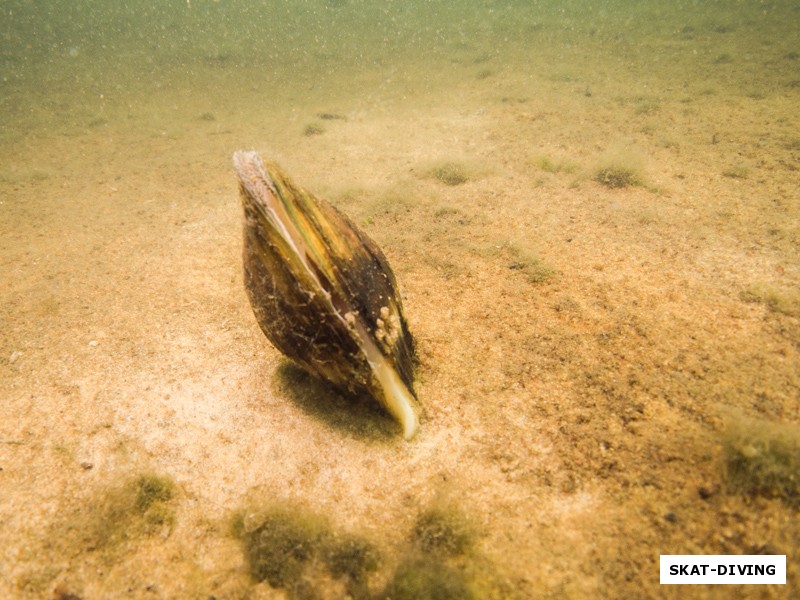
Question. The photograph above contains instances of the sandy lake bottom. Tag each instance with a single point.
(595, 225)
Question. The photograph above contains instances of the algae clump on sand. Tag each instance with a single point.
(353, 557)
(152, 494)
(424, 579)
(306, 556)
(450, 173)
(279, 543)
(442, 531)
(763, 458)
(296, 550)
(622, 167)
(438, 568)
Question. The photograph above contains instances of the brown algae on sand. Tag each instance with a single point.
(323, 292)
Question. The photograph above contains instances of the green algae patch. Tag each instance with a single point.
(307, 556)
(102, 528)
(622, 167)
(280, 543)
(777, 300)
(296, 550)
(521, 258)
(618, 176)
(353, 557)
(555, 165)
(153, 496)
(313, 129)
(442, 530)
(423, 579)
(763, 459)
(152, 489)
(441, 561)
(141, 506)
(452, 171)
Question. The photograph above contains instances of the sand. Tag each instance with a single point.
(583, 350)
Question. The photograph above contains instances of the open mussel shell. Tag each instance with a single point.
(323, 292)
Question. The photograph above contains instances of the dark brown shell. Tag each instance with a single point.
(321, 289)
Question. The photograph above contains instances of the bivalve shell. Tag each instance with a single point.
(323, 292)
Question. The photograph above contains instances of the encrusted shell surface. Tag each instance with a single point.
(323, 292)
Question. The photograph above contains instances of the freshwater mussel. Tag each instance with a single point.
(323, 292)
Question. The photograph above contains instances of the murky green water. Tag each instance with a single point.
(68, 65)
